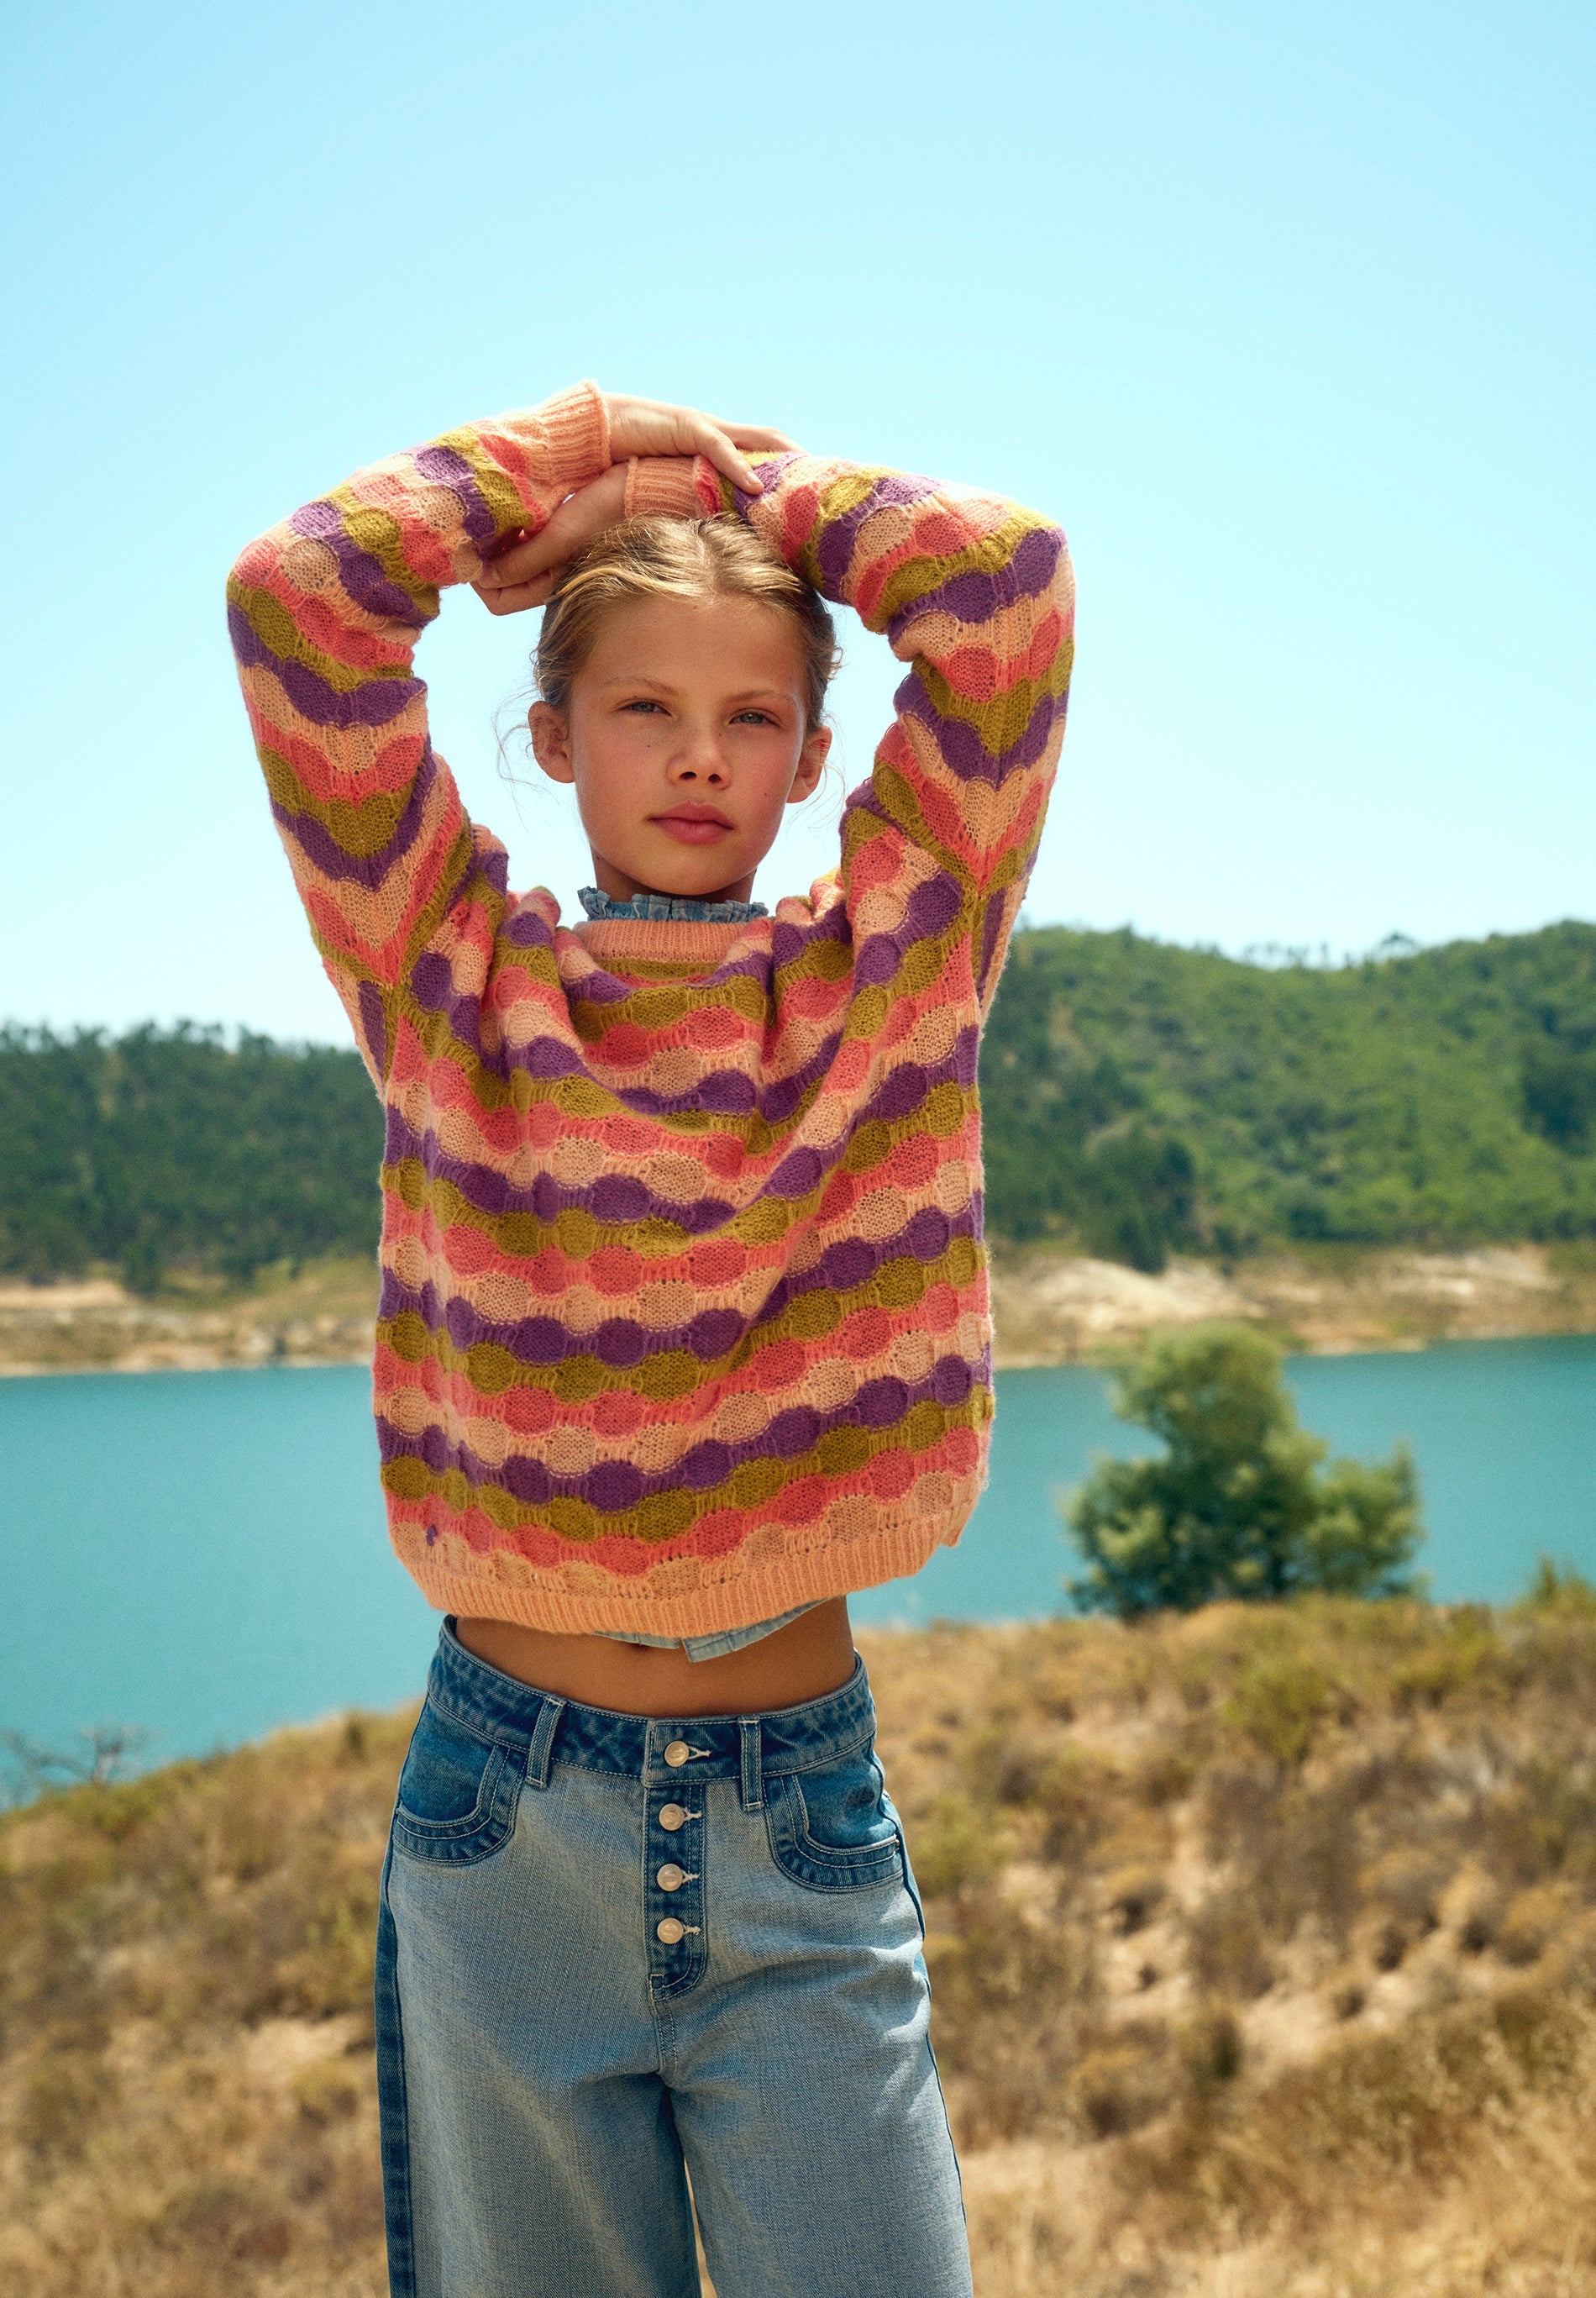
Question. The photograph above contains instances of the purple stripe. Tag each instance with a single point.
(447, 468)
(374, 1027)
(622, 1342)
(376, 702)
(854, 1261)
(364, 578)
(613, 1485)
(721, 1093)
(834, 543)
(615, 1199)
(334, 862)
(963, 751)
(974, 596)
(528, 930)
(864, 800)
(991, 930)
(768, 470)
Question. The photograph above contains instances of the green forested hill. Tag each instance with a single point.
(1143, 1097)
(167, 1148)
(1139, 1099)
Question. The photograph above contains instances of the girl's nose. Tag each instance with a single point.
(700, 760)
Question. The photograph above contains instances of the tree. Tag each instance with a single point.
(109, 1752)
(1239, 1505)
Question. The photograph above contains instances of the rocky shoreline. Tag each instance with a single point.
(321, 1316)
(1050, 1308)
(1053, 1308)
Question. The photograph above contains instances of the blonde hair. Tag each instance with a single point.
(660, 558)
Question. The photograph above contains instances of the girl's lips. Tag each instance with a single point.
(687, 830)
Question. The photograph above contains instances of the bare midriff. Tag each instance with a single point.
(812, 1656)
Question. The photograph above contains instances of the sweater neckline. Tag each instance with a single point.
(663, 941)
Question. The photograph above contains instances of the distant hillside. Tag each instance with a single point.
(165, 1149)
(1139, 1099)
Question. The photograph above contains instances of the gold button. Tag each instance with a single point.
(676, 1753)
(673, 1817)
(669, 1930)
(672, 1878)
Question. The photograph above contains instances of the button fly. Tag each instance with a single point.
(673, 1817)
(677, 1754)
(672, 1878)
(670, 1932)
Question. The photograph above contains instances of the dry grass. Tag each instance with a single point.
(1263, 1948)
(187, 2103)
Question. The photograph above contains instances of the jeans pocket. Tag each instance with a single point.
(830, 1827)
(457, 1792)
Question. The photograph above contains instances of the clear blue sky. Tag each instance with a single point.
(1286, 312)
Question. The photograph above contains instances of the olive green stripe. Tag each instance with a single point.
(275, 628)
(666, 1515)
(672, 1373)
(988, 554)
(521, 1235)
(362, 827)
(1001, 722)
(646, 1009)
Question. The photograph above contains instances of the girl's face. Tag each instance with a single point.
(685, 739)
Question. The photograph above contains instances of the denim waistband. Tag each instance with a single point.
(551, 1729)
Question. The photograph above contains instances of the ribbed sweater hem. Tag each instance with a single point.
(800, 1576)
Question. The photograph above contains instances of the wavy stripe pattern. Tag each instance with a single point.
(684, 1318)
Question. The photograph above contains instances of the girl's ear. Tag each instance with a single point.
(551, 741)
(811, 764)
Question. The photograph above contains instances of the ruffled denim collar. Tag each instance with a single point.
(679, 909)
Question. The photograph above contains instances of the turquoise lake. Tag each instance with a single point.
(204, 1554)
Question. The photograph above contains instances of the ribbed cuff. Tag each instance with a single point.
(671, 486)
(575, 424)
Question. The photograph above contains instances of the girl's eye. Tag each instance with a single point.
(642, 703)
(759, 718)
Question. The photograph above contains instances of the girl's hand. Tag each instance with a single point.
(647, 426)
(524, 575)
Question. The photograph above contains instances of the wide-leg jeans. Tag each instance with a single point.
(615, 1953)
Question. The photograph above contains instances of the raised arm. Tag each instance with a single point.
(324, 612)
(977, 597)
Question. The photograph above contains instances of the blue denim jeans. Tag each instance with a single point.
(614, 1952)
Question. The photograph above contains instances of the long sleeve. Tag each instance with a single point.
(977, 597)
(325, 613)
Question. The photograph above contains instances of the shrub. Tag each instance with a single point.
(1239, 1506)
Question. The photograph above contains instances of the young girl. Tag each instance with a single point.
(684, 1328)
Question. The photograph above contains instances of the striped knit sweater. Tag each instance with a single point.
(684, 1318)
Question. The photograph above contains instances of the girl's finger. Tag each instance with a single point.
(759, 435)
(573, 522)
(521, 562)
(515, 598)
(713, 443)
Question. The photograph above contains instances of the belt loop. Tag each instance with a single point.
(753, 1776)
(541, 1749)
